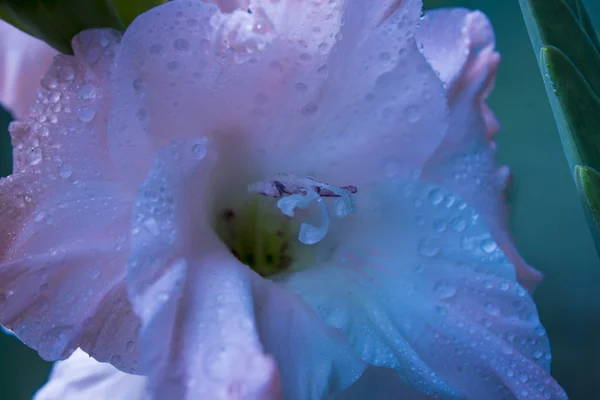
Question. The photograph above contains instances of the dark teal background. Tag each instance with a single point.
(547, 219)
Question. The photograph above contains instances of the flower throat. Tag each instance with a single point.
(261, 233)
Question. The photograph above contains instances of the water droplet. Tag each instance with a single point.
(309, 108)
(151, 226)
(435, 196)
(492, 309)
(130, 346)
(488, 245)
(55, 97)
(220, 360)
(538, 354)
(65, 171)
(141, 114)
(156, 49)
(93, 272)
(199, 150)
(116, 360)
(53, 344)
(411, 113)
(540, 330)
(181, 45)
(86, 114)
(138, 84)
(86, 91)
(66, 73)
(444, 290)
(391, 168)
(34, 156)
(439, 225)
(523, 378)
(459, 224)
(428, 248)
(301, 87)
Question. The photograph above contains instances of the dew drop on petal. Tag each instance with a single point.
(151, 226)
(492, 309)
(156, 49)
(34, 156)
(220, 360)
(301, 87)
(459, 224)
(444, 290)
(116, 360)
(65, 171)
(309, 109)
(428, 248)
(181, 45)
(86, 114)
(199, 151)
(66, 73)
(86, 91)
(488, 245)
(54, 342)
(435, 196)
(439, 225)
(93, 272)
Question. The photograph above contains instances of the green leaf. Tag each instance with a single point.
(576, 107)
(57, 21)
(568, 50)
(5, 148)
(588, 185)
(129, 9)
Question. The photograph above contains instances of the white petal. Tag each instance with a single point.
(83, 378)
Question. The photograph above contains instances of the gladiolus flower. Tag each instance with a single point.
(271, 199)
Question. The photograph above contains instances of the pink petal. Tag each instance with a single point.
(63, 246)
(188, 59)
(417, 284)
(204, 314)
(23, 61)
(83, 378)
(275, 104)
(460, 46)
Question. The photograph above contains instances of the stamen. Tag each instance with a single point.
(309, 234)
(294, 192)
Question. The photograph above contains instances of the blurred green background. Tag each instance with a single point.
(547, 220)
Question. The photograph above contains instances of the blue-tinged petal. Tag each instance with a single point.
(465, 161)
(382, 384)
(418, 284)
(210, 324)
